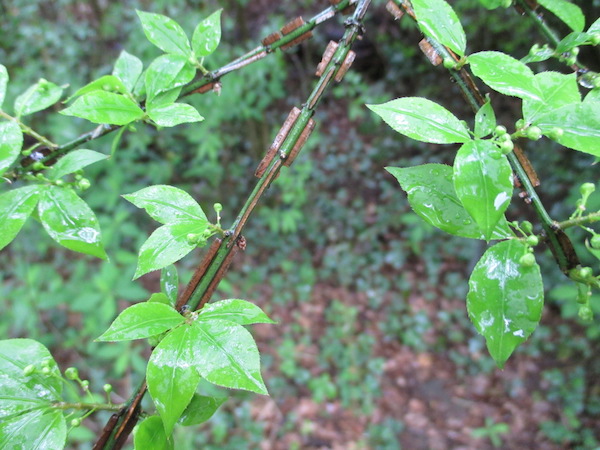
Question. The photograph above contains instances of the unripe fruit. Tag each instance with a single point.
(84, 184)
(575, 51)
(192, 238)
(28, 370)
(595, 241)
(46, 370)
(595, 39)
(506, 147)
(571, 60)
(532, 240)
(586, 189)
(75, 422)
(586, 273)
(534, 133)
(500, 130)
(585, 313)
(38, 165)
(527, 260)
(71, 373)
(526, 227)
(556, 133)
(520, 124)
(218, 207)
(107, 388)
(59, 183)
(85, 384)
(449, 63)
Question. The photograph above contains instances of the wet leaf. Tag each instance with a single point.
(165, 33)
(233, 310)
(128, 69)
(557, 90)
(566, 11)
(227, 356)
(3, 83)
(108, 83)
(27, 419)
(141, 321)
(580, 123)
(105, 107)
(74, 161)
(174, 114)
(70, 221)
(150, 435)
(207, 35)
(437, 19)
(432, 196)
(15, 207)
(167, 204)
(169, 283)
(166, 73)
(200, 409)
(166, 245)
(483, 183)
(505, 74)
(422, 119)
(39, 96)
(11, 141)
(571, 41)
(485, 120)
(172, 375)
(505, 298)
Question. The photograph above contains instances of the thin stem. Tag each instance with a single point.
(580, 221)
(539, 22)
(30, 131)
(88, 406)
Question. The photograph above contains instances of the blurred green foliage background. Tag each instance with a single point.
(355, 279)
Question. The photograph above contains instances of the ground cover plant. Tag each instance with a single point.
(196, 342)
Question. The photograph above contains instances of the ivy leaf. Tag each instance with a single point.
(207, 35)
(74, 161)
(422, 120)
(557, 90)
(200, 409)
(105, 107)
(15, 207)
(11, 141)
(174, 114)
(485, 120)
(166, 245)
(233, 310)
(432, 196)
(3, 83)
(128, 69)
(169, 283)
(141, 321)
(505, 298)
(37, 97)
(483, 182)
(505, 74)
(437, 19)
(167, 204)
(150, 435)
(165, 33)
(166, 73)
(566, 11)
(172, 375)
(227, 356)
(70, 221)
(108, 83)
(580, 123)
(27, 416)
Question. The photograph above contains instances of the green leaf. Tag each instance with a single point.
(128, 69)
(437, 19)
(233, 310)
(557, 90)
(483, 183)
(15, 207)
(165, 33)
(166, 245)
(595, 27)
(108, 83)
(27, 418)
(140, 321)
(174, 114)
(150, 435)
(207, 35)
(3, 83)
(39, 96)
(422, 119)
(166, 73)
(172, 375)
(70, 221)
(166, 98)
(541, 54)
(491, 4)
(74, 161)
(566, 11)
(159, 297)
(505, 298)
(571, 41)
(505, 74)
(167, 204)
(200, 409)
(592, 96)
(485, 120)
(227, 356)
(580, 124)
(105, 107)
(11, 141)
(432, 196)
(169, 283)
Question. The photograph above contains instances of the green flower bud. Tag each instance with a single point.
(534, 49)
(84, 184)
(506, 147)
(46, 370)
(595, 39)
(520, 124)
(500, 130)
(527, 227)
(78, 176)
(505, 137)
(532, 240)
(534, 133)
(28, 370)
(38, 165)
(75, 422)
(71, 373)
(585, 313)
(556, 133)
(85, 384)
(59, 183)
(586, 189)
(218, 207)
(527, 260)
(26, 152)
(192, 238)
(107, 388)
(575, 51)
(449, 63)
(586, 273)
(571, 60)
(595, 241)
